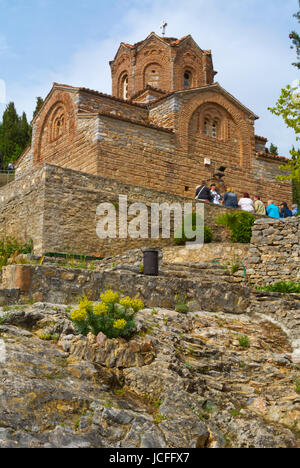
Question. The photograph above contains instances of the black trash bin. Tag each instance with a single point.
(151, 262)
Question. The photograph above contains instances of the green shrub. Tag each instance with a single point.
(9, 247)
(244, 341)
(196, 222)
(181, 304)
(240, 224)
(287, 287)
(113, 316)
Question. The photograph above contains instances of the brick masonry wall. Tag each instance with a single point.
(161, 64)
(275, 251)
(106, 136)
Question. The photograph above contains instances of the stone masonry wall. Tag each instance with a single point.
(64, 286)
(56, 207)
(71, 201)
(22, 208)
(275, 251)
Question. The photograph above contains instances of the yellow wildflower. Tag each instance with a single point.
(100, 309)
(120, 324)
(79, 315)
(109, 297)
(137, 305)
(84, 303)
(126, 302)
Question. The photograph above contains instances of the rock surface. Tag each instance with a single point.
(183, 381)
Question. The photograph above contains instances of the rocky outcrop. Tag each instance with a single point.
(200, 380)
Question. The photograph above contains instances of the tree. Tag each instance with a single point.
(295, 38)
(39, 103)
(273, 150)
(15, 135)
(288, 107)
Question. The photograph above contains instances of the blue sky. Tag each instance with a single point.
(72, 41)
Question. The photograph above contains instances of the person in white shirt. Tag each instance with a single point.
(216, 197)
(246, 204)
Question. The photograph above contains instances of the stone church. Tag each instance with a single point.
(167, 126)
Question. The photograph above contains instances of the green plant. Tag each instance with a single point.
(240, 224)
(244, 341)
(235, 413)
(181, 304)
(234, 268)
(182, 308)
(297, 383)
(10, 247)
(120, 392)
(192, 225)
(160, 418)
(113, 316)
(287, 287)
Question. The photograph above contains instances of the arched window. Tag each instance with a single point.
(125, 87)
(187, 79)
(214, 130)
(206, 127)
(211, 127)
(58, 125)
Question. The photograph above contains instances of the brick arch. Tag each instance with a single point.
(149, 56)
(120, 82)
(155, 83)
(59, 104)
(188, 110)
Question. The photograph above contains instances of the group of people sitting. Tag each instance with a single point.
(246, 203)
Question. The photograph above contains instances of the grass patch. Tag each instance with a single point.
(244, 341)
(285, 287)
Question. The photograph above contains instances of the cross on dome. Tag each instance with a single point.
(163, 27)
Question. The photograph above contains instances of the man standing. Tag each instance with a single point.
(273, 210)
(203, 192)
(259, 207)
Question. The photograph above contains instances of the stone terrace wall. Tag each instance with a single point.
(71, 202)
(22, 209)
(275, 251)
(64, 286)
(56, 207)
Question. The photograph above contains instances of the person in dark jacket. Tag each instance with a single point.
(203, 193)
(285, 212)
(230, 199)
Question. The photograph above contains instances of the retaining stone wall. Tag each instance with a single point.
(275, 251)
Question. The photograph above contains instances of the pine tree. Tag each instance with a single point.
(39, 103)
(273, 150)
(15, 135)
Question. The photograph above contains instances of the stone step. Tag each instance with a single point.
(195, 266)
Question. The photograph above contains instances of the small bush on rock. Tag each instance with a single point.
(10, 247)
(240, 224)
(112, 316)
(286, 287)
